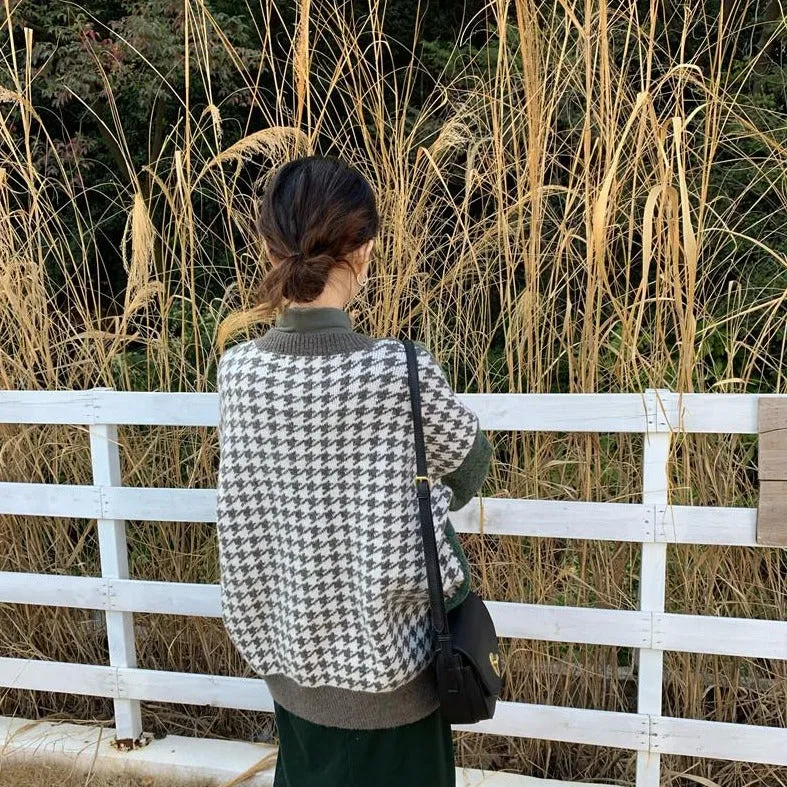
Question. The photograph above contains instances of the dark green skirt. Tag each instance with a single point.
(420, 754)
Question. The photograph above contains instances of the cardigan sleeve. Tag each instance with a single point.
(457, 450)
(467, 479)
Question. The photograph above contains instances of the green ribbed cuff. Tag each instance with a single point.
(467, 479)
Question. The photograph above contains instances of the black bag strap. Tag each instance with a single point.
(434, 578)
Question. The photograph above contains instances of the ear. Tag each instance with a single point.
(362, 257)
(367, 254)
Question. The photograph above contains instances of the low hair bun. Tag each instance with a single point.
(292, 259)
(306, 276)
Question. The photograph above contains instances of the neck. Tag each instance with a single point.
(313, 330)
(325, 301)
(314, 319)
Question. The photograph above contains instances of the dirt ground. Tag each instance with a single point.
(35, 775)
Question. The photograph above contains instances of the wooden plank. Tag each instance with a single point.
(772, 471)
(765, 639)
(772, 514)
(157, 408)
(218, 691)
(532, 412)
(46, 407)
(717, 740)
(59, 676)
(571, 624)
(772, 439)
(159, 504)
(684, 633)
(524, 621)
(119, 595)
(556, 519)
(624, 412)
(172, 598)
(127, 684)
(570, 725)
(653, 579)
(598, 728)
(53, 590)
(68, 500)
(106, 406)
(501, 516)
(721, 413)
(706, 525)
(113, 551)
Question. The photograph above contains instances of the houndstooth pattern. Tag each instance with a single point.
(321, 557)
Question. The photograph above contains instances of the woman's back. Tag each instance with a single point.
(323, 574)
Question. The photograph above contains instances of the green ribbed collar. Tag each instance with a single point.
(313, 319)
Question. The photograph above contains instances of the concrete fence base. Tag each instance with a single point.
(175, 757)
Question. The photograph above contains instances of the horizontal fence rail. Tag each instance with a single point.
(653, 523)
(636, 522)
(624, 412)
(631, 731)
(743, 637)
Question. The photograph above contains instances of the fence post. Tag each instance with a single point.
(653, 573)
(105, 457)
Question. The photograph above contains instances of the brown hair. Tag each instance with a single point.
(314, 213)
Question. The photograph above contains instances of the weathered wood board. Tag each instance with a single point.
(772, 470)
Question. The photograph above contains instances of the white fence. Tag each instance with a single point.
(653, 523)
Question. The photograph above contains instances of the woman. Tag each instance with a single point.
(323, 582)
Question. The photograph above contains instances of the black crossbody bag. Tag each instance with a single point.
(466, 656)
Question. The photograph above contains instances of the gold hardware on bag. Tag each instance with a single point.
(494, 660)
(421, 478)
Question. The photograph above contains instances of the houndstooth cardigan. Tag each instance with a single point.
(323, 583)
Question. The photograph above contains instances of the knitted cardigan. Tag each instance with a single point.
(323, 581)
